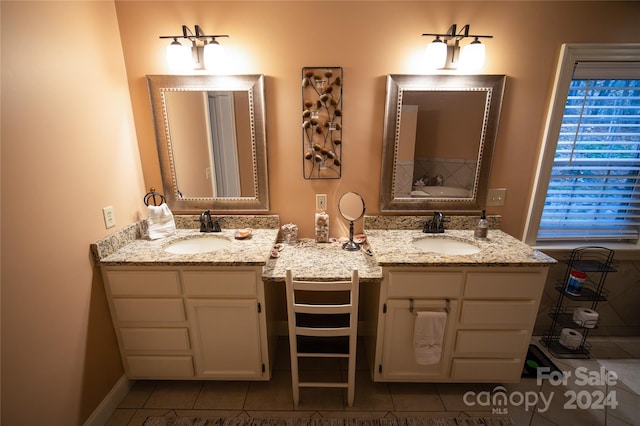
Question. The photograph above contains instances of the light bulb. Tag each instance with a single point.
(213, 55)
(178, 56)
(436, 54)
(472, 56)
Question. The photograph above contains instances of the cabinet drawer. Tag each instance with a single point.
(156, 310)
(505, 285)
(425, 284)
(144, 283)
(496, 343)
(220, 283)
(507, 314)
(160, 366)
(486, 370)
(155, 339)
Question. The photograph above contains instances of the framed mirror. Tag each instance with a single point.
(211, 140)
(439, 135)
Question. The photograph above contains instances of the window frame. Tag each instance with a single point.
(570, 54)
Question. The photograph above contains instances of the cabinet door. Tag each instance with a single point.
(226, 338)
(398, 357)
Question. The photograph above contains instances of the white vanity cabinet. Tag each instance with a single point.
(491, 314)
(424, 291)
(224, 310)
(498, 311)
(190, 322)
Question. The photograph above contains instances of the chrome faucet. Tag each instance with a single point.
(435, 225)
(207, 224)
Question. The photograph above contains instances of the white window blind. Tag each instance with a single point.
(594, 189)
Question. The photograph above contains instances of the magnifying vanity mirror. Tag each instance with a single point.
(439, 135)
(211, 139)
(352, 208)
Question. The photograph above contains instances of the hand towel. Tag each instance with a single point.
(160, 221)
(428, 334)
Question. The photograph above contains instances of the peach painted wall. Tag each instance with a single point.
(68, 150)
(370, 40)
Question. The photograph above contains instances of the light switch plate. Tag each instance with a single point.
(109, 217)
(496, 196)
(321, 202)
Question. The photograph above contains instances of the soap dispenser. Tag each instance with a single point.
(482, 227)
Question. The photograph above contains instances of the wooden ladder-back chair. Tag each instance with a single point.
(321, 330)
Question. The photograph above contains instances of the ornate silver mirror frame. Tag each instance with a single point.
(490, 89)
(257, 198)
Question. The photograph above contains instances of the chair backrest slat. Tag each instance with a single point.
(322, 309)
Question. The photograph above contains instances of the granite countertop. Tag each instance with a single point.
(248, 252)
(395, 248)
(309, 260)
(390, 242)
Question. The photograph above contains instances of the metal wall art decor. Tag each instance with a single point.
(322, 122)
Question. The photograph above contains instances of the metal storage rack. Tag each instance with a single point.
(596, 262)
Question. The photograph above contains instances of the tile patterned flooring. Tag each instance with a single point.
(273, 398)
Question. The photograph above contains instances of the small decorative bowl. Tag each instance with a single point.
(359, 238)
(242, 234)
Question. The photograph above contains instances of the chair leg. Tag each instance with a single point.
(295, 379)
(351, 385)
(296, 395)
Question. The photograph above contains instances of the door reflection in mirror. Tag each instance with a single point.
(211, 143)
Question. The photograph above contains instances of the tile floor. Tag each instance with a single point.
(558, 404)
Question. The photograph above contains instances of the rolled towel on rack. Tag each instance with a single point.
(570, 339)
(428, 335)
(587, 318)
(160, 221)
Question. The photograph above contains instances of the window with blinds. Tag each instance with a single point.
(594, 188)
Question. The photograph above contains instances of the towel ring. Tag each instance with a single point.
(151, 196)
(447, 307)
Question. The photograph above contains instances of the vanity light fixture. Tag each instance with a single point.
(441, 54)
(205, 52)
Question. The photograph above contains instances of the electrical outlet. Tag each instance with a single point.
(495, 197)
(109, 217)
(321, 201)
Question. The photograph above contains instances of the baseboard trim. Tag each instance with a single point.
(107, 407)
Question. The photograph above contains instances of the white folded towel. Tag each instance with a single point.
(160, 221)
(428, 335)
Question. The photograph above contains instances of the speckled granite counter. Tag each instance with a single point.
(131, 245)
(144, 252)
(309, 260)
(394, 248)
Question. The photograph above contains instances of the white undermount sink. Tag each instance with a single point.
(445, 246)
(197, 245)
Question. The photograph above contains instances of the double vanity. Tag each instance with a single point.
(212, 306)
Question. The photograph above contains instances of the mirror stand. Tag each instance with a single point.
(352, 208)
(351, 245)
